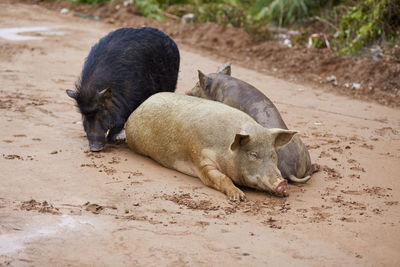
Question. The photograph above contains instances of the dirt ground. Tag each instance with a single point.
(63, 205)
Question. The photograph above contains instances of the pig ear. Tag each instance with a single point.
(225, 69)
(72, 94)
(205, 82)
(281, 137)
(240, 140)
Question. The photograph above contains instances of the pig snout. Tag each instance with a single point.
(96, 147)
(281, 187)
(96, 144)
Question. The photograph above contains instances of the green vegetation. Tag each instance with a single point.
(350, 24)
(149, 8)
(285, 12)
(368, 21)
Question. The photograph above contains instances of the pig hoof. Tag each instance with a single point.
(236, 195)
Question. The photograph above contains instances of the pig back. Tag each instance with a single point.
(169, 127)
(241, 95)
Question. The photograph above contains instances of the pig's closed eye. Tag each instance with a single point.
(253, 155)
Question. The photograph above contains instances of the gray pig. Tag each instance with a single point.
(198, 137)
(294, 160)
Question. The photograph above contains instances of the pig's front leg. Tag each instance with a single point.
(212, 177)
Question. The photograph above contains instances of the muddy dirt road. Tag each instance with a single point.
(63, 205)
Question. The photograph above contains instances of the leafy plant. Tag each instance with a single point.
(149, 8)
(368, 21)
(286, 12)
(282, 12)
(221, 13)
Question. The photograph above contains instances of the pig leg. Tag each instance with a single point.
(212, 177)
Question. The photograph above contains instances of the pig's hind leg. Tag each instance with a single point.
(212, 177)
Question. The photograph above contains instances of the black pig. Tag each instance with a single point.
(121, 71)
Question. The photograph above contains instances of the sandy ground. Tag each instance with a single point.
(63, 205)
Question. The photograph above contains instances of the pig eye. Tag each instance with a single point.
(253, 155)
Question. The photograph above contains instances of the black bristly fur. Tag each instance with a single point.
(131, 64)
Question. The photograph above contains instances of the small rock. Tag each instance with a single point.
(356, 86)
(287, 43)
(376, 53)
(127, 2)
(64, 11)
(188, 18)
(332, 79)
(336, 35)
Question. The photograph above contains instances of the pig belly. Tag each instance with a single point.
(186, 167)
